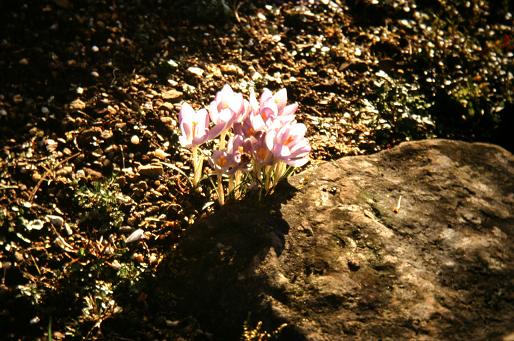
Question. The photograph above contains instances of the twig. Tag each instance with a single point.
(47, 173)
(8, 187)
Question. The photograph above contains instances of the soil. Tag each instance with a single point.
(89, 96)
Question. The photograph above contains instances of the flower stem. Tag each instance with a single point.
(278, 172)
(237, 180)
(197, 160)
(221, 191)
(231, 186)
(222, 143)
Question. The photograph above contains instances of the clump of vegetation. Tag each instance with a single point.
(258, 334)
(100, 205)
(404, 111)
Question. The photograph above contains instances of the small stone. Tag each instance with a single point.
(64, 171)
(231, 69)
(17, 98)
(358, 52)
(77, 105)
(138, 257)
(24, 61)
(161, 154)
(153, 258)
(152, 170)
(256, 76)
(196, 71)
(55, 220)
(172, 94)
(36, 176)
(51, 145)
(79, 90)
(106, 134)
(92, 174)
(45, 110)
(135, 236)
(111, 110)
(95, 74)
(36, 224)
(95, 48)
(135, 140)
(115, 264)
(168, 106)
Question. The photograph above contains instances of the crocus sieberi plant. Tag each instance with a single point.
(250, 143)
(194, 126)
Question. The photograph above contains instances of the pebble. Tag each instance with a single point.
(65, 171)
(36, 176)
(95, 74)
(77, 105)
(115, 264)
(92, 174)
(172, 63)
(172, 94)
(152, 170)
(134, 140)
(138, 257)
(135, 236)
(55, 220)
(161, 154)
(36, 224)
(95, 48)
(231, 69)
(195, 71)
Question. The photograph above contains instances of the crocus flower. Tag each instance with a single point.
(193, 125)
(261, 152)
(270, 108)
(221, 162)
(288, 143)
(233, 158)
(285, 111)
(227, 107)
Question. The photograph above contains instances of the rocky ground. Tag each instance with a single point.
(89, 96)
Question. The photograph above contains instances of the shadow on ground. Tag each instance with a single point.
(202, 289)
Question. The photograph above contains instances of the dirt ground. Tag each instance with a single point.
(90, 92)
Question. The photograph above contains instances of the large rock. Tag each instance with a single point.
(335, 258)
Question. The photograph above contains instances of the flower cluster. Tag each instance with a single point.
(257, 139)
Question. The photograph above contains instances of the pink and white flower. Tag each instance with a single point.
(194, 126)
(261, 152)
(227, 108)
(289, 144)
(231, 159)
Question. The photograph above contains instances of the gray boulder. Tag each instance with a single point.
(335, 257)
